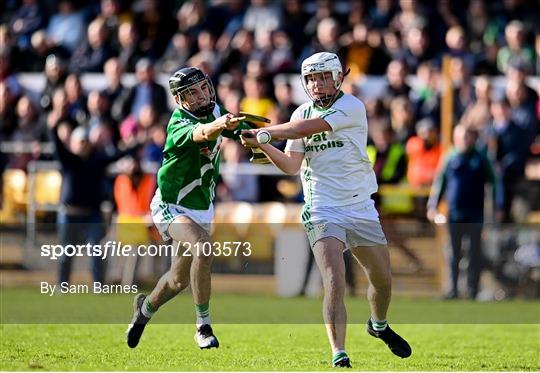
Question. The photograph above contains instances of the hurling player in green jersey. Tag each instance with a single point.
(182, 207)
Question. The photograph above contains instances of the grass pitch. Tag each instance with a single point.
(265, 346)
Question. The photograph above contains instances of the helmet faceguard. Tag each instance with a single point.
(322, 78)
(194, 91)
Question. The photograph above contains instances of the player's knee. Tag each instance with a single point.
(203, 256)
(334, 281)
(178, 281)
(382, 281)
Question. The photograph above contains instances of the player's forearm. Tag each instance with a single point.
(207, 132)
(280, 159)
(298, 129)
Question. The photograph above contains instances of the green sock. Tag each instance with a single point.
(338, 356)
(148, 308)
(203, 313)
(378, 325)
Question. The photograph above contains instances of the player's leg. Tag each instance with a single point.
(476, 258)
(328, 254)
(456, 232)
(168, 286)
(375, 261)
(198, 239)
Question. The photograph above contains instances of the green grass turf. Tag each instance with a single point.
(253, 346)
(266, 347)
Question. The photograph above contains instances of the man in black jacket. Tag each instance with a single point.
(79, 217)
(146, 92)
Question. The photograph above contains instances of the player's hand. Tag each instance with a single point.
(229, 121)
(249, 138)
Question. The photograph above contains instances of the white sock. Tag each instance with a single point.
(202, 321)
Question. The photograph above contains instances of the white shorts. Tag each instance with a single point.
(163, 214)
(354, 225)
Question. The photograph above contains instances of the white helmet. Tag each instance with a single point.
(318, 63)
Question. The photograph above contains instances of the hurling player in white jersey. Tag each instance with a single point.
(327, 143)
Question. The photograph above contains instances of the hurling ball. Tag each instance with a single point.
(264, 137)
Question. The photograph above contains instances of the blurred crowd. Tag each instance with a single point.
(248, 48)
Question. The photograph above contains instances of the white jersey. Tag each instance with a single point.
(336, 170)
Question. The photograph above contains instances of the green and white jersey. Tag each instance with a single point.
(336, 170)
(189, 171)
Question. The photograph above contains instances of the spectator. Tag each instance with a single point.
(463, 87)
(129, 51)
(508, 147)
(517, 72)
(153, 149)
(132, 127)
(242, 50)
(29, 18)
(262, 16)
(66, 28)
(30, 125)
(396, 75)
(462, 179)
(522, 113)
(192, 17)
(387, 156)
(76, 99)
(296, 17)
(326, 40)
(390, 165)
(478, 115)
(8, 118)
(425, 96)
(324, 9)
(206, 44)
(59, 109)
(402, 119)
(114, 89)
(9, 47)
(99, 113)
(424, 151)
(79, 216)
(102, 139)
(392, 44)
(7, 73)
(146, 92)
(91, 55)
(418, 48)
(133, 189)
(281, 59)
(55, 77)
(155, 25)
(284, 99)
(257, 100)
(35, 57)
(381, 13)
(176, 54)
(411, 14)
(113, 16)
(364, 53)
(515, 50)
(237, 187)
(481, 28)
(456, 41)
